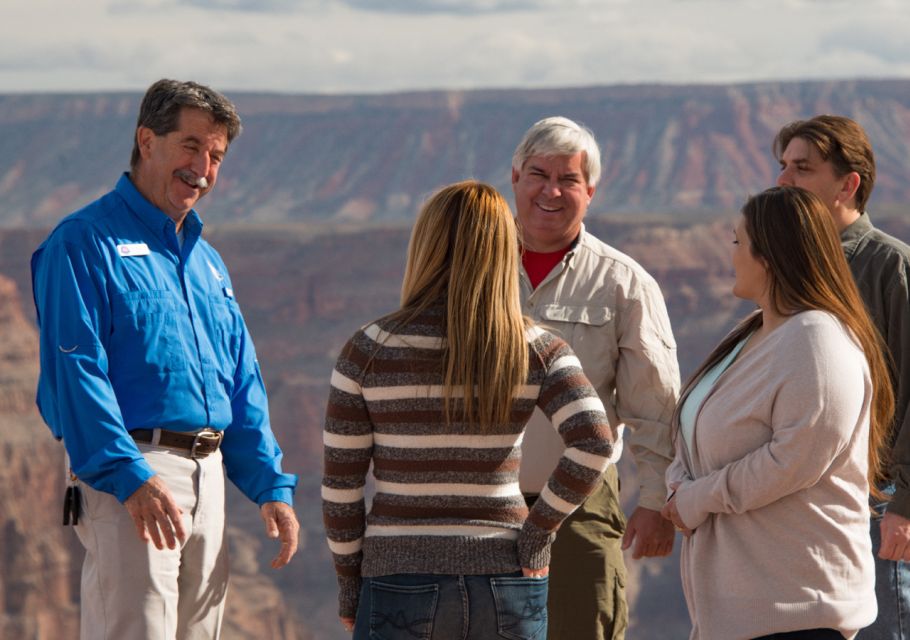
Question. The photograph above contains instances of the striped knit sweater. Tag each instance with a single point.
(447, 499)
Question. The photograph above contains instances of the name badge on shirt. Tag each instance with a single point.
(133, 249)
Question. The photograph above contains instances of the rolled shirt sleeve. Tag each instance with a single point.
(647, 388)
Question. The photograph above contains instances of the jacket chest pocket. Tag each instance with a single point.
(144, 332)
(591, 332)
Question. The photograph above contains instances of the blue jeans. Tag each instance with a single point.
(892, 591)
(452, 607)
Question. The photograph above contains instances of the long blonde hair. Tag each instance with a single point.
(464, 250)
(792, 231)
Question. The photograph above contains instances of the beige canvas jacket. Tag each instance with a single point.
(612, 313)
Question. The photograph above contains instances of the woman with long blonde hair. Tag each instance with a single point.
(436, 396)
(779, 437)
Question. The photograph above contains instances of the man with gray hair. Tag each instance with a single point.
(150, 379)
(612, 313)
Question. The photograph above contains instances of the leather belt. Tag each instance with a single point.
(199, 443)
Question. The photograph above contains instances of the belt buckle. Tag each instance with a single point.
(205, 437)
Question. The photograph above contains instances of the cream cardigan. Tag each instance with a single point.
(775, 488)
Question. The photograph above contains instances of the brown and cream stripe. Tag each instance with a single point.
(446, 496)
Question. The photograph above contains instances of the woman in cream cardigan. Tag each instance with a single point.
(777, 440)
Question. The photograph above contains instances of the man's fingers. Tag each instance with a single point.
(895, 536)
(288, 532)
(281, 522)
(156, 514)
(151, 525)
(287, 551)
(283, 557)
(890, 551)
(627, 537)
(641, 550)
(175, 518)
(140, 527)
(290, 539)
(270, 514)
(166, 526)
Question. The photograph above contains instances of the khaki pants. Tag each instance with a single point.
(587, 599)
(133, 591)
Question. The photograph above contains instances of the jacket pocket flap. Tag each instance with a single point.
(595, 316)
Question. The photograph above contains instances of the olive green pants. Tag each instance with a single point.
(587, 599)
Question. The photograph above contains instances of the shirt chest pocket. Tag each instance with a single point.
(591, 332)
(144, 332)
(228, 326)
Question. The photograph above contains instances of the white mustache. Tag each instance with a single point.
(189, 178)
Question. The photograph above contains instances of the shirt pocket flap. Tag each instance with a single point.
(132, 303)
(594, 316)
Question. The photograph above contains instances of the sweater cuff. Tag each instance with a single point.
(687, 505)
(534, 547)
(348, 596)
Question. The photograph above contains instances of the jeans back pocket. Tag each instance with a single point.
(521, 607)
(402, 612)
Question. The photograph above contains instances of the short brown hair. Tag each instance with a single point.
(165, 99)
(840, 140)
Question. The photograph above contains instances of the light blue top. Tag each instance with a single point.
(701, 390)
(137, 333)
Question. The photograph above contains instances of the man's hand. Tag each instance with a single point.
(347, 623)
(895, 538)
(281, 522)
(155, 512)
(653, 536)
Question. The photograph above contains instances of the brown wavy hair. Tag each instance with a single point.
(792, 231)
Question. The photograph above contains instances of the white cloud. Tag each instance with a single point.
(344, 46)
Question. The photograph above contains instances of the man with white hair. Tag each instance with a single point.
(612, 313)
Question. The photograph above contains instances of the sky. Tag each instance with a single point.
(380, 46)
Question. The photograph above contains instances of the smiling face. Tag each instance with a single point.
(752, 277)
(551, 198)
(171, 164)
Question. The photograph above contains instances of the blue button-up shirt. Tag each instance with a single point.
(138, 332)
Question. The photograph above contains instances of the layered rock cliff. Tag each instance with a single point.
(374, 158)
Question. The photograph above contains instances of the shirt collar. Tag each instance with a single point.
(569, 258)
(851, 236)
(153, 217)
